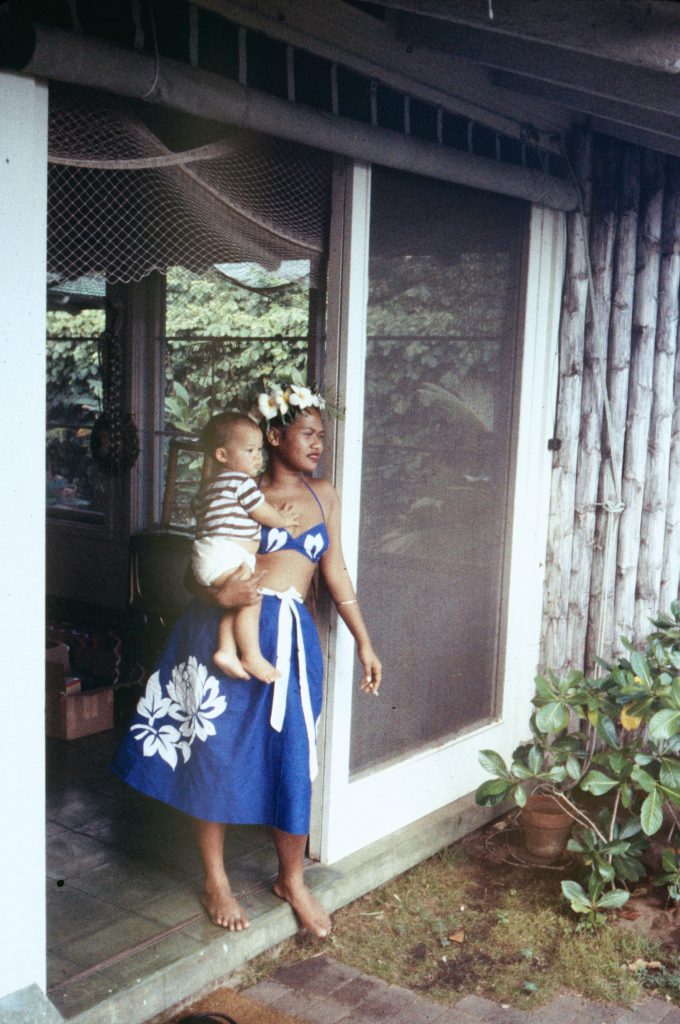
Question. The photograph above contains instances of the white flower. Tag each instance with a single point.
(196, 700)
(153, 704)
(267, 406)
(163, 741)
(300, 396)
(281, 399)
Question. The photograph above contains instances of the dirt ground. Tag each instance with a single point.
(482, 917)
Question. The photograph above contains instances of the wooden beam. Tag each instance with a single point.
(636, 135)
(649, 128)
(344, 35)
(640, 33)
(81, 60)
(547, 62)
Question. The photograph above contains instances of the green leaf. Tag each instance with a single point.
(520, 796)
(669, 774)
(627, 795)
(577, 896)
(651, 813)
(492, 792)
(669, 860)
(598, 783)
(543, 689)
(573, 767)
(552, 717)
(493, 763)
(606, 730)
(606, 871)
(535, 760)
(640, 667)
(675, 693)
(664, 724)
(630, 828)
(643, 779)
(612, 900)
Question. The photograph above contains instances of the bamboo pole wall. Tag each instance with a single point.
(613, 555)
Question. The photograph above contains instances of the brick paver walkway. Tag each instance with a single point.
(322, 990)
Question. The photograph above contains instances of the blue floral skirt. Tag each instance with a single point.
(227, 750)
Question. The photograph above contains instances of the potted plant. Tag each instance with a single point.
(606, 750)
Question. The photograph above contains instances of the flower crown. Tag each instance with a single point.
(283, 403)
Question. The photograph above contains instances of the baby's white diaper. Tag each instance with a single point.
(213, 556)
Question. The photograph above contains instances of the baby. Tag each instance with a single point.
(229, 510)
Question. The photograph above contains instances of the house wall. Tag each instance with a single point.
(613, 558)
(23, 207)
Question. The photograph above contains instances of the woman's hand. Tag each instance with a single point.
(372, 670)
(239, 588)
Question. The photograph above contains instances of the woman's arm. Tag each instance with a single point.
(238, 589)
(338, 581)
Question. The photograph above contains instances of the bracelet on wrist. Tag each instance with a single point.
(354, 600)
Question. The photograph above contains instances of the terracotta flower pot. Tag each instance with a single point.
(546, 826)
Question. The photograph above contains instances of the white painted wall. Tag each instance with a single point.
(23, 227)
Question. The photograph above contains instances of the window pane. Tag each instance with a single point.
(74, 484)
(444, 284)
(225, 330)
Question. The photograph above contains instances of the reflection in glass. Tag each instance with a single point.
(444, 283)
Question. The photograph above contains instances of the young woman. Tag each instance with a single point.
(229, 751)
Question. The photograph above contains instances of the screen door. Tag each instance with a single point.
(436, 290)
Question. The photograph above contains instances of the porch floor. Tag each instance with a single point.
(127, 937)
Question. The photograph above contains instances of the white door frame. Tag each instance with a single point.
(352, 813)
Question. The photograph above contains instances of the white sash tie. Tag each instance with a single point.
(289, 614)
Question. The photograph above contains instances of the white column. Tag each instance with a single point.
(23, 232)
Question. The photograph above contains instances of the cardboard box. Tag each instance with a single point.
(68, 717)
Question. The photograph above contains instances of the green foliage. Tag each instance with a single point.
(250, 337)
(73, 393)
(254, 336)
(670, 862)
(592, 903)
(615, 738)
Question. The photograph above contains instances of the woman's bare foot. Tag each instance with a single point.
(309, 911)
(260, 668)
(230, 664)
(224, 909)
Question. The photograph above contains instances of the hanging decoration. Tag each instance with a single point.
(114, 441)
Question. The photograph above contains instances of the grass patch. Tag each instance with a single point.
(466, 922)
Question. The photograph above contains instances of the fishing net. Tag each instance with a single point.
(128, 197)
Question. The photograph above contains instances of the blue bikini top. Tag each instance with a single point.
(312, 543)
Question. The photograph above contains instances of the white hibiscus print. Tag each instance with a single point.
(196, 699)
(193, 699)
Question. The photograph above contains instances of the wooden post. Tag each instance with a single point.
(670, 576)
(601, 632)
(561, 522)
(653, 526)
(606, 158)
(640, 390)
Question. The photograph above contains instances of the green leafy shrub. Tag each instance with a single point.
(614, 737)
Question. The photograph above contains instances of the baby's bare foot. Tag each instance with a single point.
(260, 668)
(230, 664)
(223, 909)
(309, 911)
